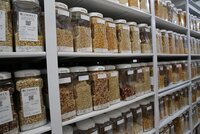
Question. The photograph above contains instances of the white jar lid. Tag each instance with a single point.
(120, 21)
(85, 124)
(101, 119)
(26, 73)
(5, 75)
(132, 23)
(96, 68)
(67, 130)
(110, 67)
(63, 70)
(125, 109)
(143, 64)
(135, 105)
(78, 69)
(108, 19)
(27, 3)
(61, 5)
(142, 25)
(123, 66)
(169, 32)
(179, 10)
(78, 9)
(114, 114)
(144, 102)
(163, 31)
(96, 14)
(135, 65)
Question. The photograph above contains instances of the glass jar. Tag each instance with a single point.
(145, 39)
(150, 65)
(193, 69)
(181, 38)
(172, 47)
(8, 116)
(27, 29)
(166, 105)
(166, 130)
(165, 11)
(168, 74)
(86, 127)
(134, 3)
(165, 42)
(184, 74)
(198, 89)
(194, 93)
(81, 28)
(162, 108)
(127, 91)
(175, 72)
(82, 90)
(128, 118)
(186, 46)
(179, 125)
(160, 76)
(191, 21)
(179, 71)
(137, 119)
(177, 102)
(111, 35)
(186, 121)
(135, 37)
(123, 36)
(194, 115)
(6, 37)
(184, 13)
(180, 17)
(147, 78)
(159, 41)
(171, 128)
(68, 130)
(98, 27)
(100, 89)
(113, 83)
(186, 96)
(175, 15)
(158, 8)
(30, 105)
(63, 28)
(145, 6)
(182, 102)
(171, 104)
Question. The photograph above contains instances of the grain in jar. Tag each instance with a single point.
(158, 8)
(160, 76)
(98, 27)
(99, 87)
(159, 41)
(168, 73)
(30, 105)
(193, 69)
(145, 6)
(184, 13)
(81, 29)
(134, 3)
(186, 46)
(171, 109)
(128, 118)
(8, 116)
(165, 11)
(175, 74)
(184, 74)
(127, 91)
(67, 100)
(186, 96)
(179, 71)
(181, 38)
(63, 28)
(147, 78)
(179, 125)
(162, 108)
(111, 35)
(86, 127)
(135, 37)
(181, 17)
(175, 15)
(182, 102)
(172, 47)
(6, 37)
(150, 65)
(27, 28)
(123, 36)
(165, 42)
(113, 83)
(177, 101)
(82, 90)
(166, 104)
(194, 93)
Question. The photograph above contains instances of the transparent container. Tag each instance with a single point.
(181, 38)
(194, 93)
(168, 73)
(186, 96)
(175, 15)
(182, 102)
(171, 128)
(134, 3)
(27, 29)
(171, 105)
(81, 29)
(128, 118)
(177, 101)
(150, 65)
(160, 76)
(146, 46)
(63, 28)
(184, 74)
(30, 105)
(68, 130)
(8, 117)
(86, 127)
(198, 89)
(145, 6)
(111, 35)
(6, 37)
(127, 91)
(165, 11)
(159, 41)
(113, 83)
(181, 17)
(82, 90)
(166, 104)
(158, 8)
(172, 47)
(186, 46)
(166, 129)
(165, 42)
(147, 77)
(100, 87)
(169, 10)
(179, 125)
(179, 71)
(135, 37)
(184, 13)
(67, 99)
(194, 115)
(162, 108)
(123, 36)
(175, 72)
(186, 122)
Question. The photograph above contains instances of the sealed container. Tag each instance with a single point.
(6, 37)
(184, 74)
(186, 122)
(175, 72)
(98, 27)
(81, 29)
(162, 108)
(181, 38)
(145, 6)
(179, 71)
(8, 116)
(128, 118)
(159, 41)
(186, 96)
(68, 130)
(171, 128)
(67, 100)
(63, 28)
(111, 34)
(172, 47)
(171, 109)
(86, 127)
(134, 3)
(184, 18)
(146, 46)
(165, 11)
(165, 42)
(177, 101)
(181, 17)
(113, 83)
(166, 104)
(82, 90)
(100, 89)
(194, 93)
(179, 125)
(150, 65)
(27, 29)
(158, 8)
(194, 115)
(168, 73)
(175, 15)
(127, 91)
(182, 102)
(147, 77)
(161, 76)
(186, 46)
(170, 10)
(30, 105)
(135, 37)
(123, 36)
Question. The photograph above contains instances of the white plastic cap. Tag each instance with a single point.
(125, 109)
(143, 25)
(78, 9)
(78, 69)
(120, 21)
(132, 23)
(26, 73)
(61, 5)
(135, 65)
(34, 1)
(123, 66)
(67, 130)
(135, 105)
(96, 68)
(63, 70)
(114, 114)
(109, 19)
(96, 14)
(5, 75)
(110, 67)
(101, 119)
(85, 124)
(163, 31)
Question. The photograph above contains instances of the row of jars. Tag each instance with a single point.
(143, 5)
(172, 73)
(180, 125)
(195, 114)
(172, 103)
(195, 68)
(195, 91)
(169, 42)
(194, 23)
(195, 45)
(133, 119)
(166, 10)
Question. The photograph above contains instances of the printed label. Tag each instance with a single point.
(120, 122)
(147, 69)
(129, 115)
(62, 12)
(161, 102)
(31, 102)
(130, 72)
(65, 80)
(5, 108)
(125, 27)
(139, 70)
(149, 108)
(114, 74)
(2, 26)
(28, 26)
(161, 68)
(83, 78)
(6, 49)
(111, 25)
(139, 111)
(85, 17)
(108, 128)
(102, 76)
(100, 21)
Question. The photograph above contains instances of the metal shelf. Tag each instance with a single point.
(196, 125)
(111, 108)
(21, 54)
(195, 34)
(195, 55)
(196, 78)
(38, 130)
(172, 55)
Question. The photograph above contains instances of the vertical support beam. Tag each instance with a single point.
(52, 66)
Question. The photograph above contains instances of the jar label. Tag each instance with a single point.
(126, 27)
(6, 48)
(114, 74)
(85, 17)
(139, 70)
(111, 25)
(65, 80)
(161, 102)
(149, 108)
(62, 12)
(108, 128)
(161, 68)
(83, 78)
(129, 115)
(139, 111)
(120, 122)
(130, 72)
(28, 26)
(100, 21)
(31, 102)
(6, 114)
(2, 26)
(102, 76)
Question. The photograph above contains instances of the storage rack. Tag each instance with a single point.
(113, 10)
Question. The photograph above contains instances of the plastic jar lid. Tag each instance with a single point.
(96, 14)
(143, 64)
(96, 68)
(78, 69)
(67, 130)
(61, 5)
(5, 75)
(135, 105)
(125, 109)
(179, 10)
(78, 9)
(85, 124)
(122, 21)
(28, 4)
(143, 25)
(109, 19)
(170, 32)
(123, 66)
(110, 67)
(132, 23)
(144, 102)
(114, 114)
(26, 73)
(163, 31)
(63, 70)
(101, 119)
(135, 65)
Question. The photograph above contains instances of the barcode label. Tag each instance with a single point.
(111, 25)
(102, 76)
(120, 122)
(114, 74)
(100, 21)
(83, 78)
(85, 17)
(130, 72)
